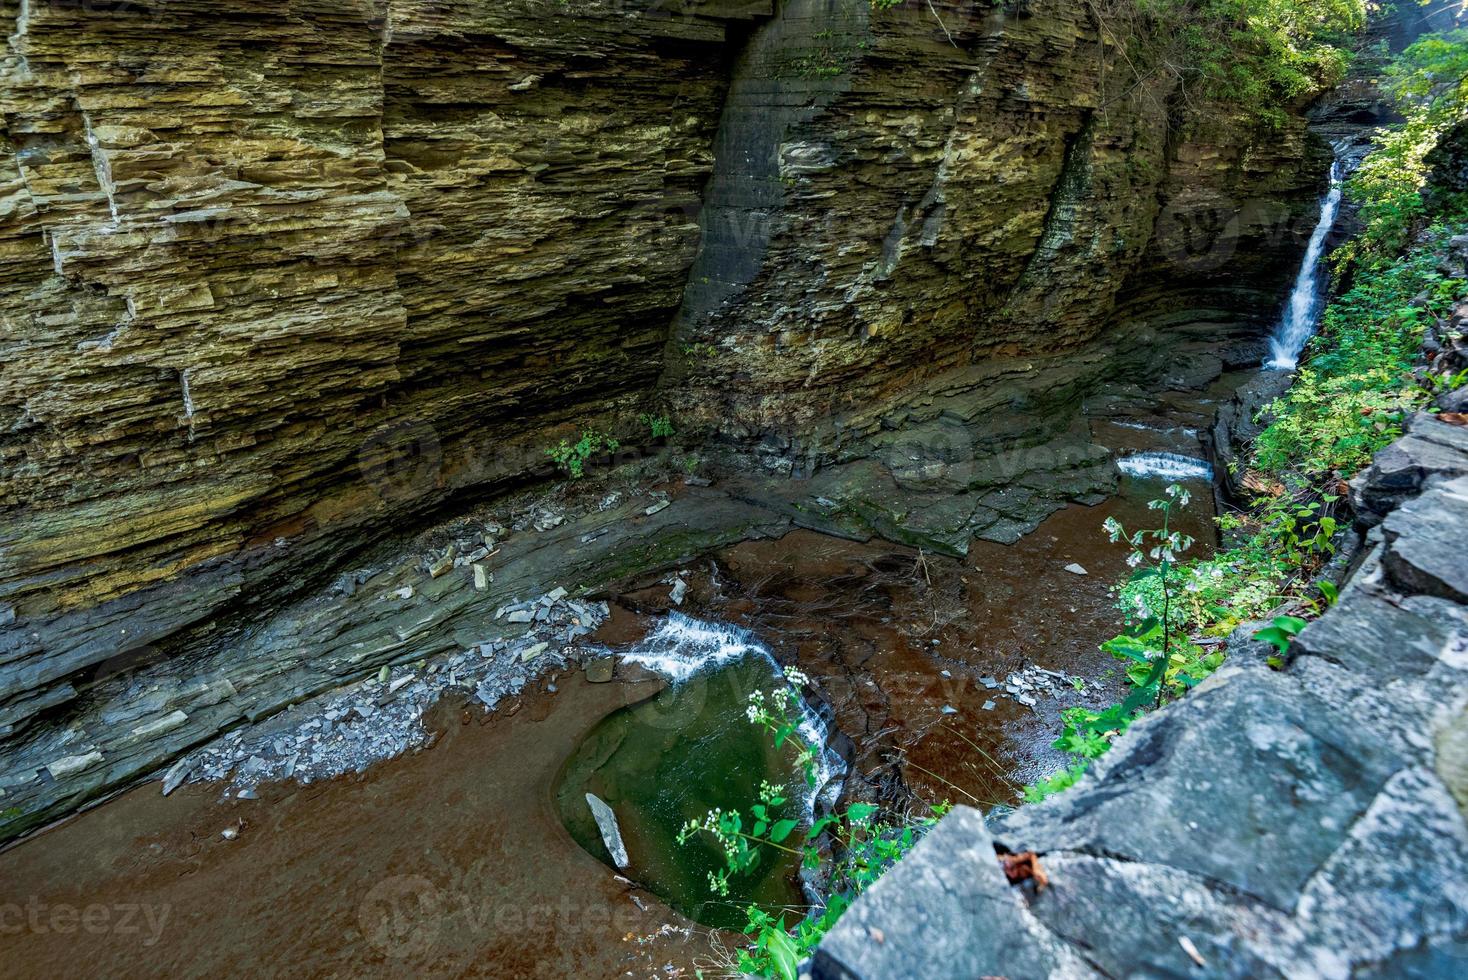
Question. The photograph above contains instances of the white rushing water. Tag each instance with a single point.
(1164, 466)
(1298, 321)
(682, 647)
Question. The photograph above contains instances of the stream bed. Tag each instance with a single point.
(937, 678)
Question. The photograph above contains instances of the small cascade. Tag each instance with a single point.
(681, 647)
(689, 750)
(1298, 322)
(1164, 466)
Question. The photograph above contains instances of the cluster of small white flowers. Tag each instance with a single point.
(1134, 559)
(756, 709)
(796, 677)
(1177, 493)
(782, 698)
(1113, 529)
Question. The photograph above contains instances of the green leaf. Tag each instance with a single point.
(1331, 593)
(858, 812)
(1128, 648)
(819, 826)
(1290, 624)
(1274, 636)
(782, 952)
(782, 830)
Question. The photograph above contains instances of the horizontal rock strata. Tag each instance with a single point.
(278, 279)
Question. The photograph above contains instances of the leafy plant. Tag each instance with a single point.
(572, 457)
(1280, 634)
(660, 425)
(861, 846)
(1150, 644)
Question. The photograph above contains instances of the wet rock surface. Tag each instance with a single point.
(321, 270)
(1304, 821)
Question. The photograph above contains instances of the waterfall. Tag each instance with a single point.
(1298, 321)
(681, 647)
(1164, 466)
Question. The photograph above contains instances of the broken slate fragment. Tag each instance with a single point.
(660, 505)
(176, 774)
(67, 765)
(1075, 569)
(482, 578)
(532, 652)
(611, 834)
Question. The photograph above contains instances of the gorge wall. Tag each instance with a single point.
(279, 278)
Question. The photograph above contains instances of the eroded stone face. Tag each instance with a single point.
(273, 275)
(275, 279)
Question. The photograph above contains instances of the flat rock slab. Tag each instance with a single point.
(1425, 541)
(945, 911)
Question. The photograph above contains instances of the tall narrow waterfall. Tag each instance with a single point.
(1298, 321)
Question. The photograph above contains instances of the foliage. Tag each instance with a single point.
(1259, 55)
(1159, 659)
(1357, 386)
(1056, 782)
(862, 846)
(660, 425)
(1347, 402)
(573, 457)
(1430, 83)
(1279, 633)
(1156, 659)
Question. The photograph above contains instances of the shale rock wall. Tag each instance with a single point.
(276, 273)
(280, 277)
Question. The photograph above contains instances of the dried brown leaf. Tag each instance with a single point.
(1019, 867)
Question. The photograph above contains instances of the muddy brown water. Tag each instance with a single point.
(453, 861)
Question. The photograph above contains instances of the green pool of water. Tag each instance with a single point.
(672, 758)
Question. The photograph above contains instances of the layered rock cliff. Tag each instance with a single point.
(279, 278)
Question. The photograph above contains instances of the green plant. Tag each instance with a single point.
(660, 425)
(1279, 635)
(862, 847)
(1057, 782)
(572, 457)
(1150, 644)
